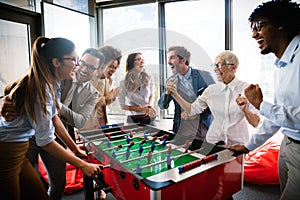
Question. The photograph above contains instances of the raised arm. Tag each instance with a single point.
(172, 89)
(285, 116)
(165, 99)
(252, 118)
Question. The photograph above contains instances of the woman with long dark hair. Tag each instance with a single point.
(35, 96)
(137, 93)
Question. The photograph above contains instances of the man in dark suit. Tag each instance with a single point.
(191, 83)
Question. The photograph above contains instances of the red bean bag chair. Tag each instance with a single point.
(74, 177)
(261, 165)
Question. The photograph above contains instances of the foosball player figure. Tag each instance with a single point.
(127, 153)
(149, 156)
(143, 141)
(131, 144)
(187, 145)
(145, 135)
(108, 143)
(153, 146)
(164, 143)
(113, 155)
(122, 129)
(138, 169)
(169, 160)
(131, 134)
(170, 149)
(128, 139)
(163, 137)
(154, 138)
(119, 147)
(141, 149)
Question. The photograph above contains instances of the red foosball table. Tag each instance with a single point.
(146, 163)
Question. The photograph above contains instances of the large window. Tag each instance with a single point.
(32, 5)
(199, 26)
(61, 22)
(18, 30)
(192, 24)
(133, 29)
(15, 46)
(254, 67)
(79, 5)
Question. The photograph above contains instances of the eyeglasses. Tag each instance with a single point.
(139, 59)
(75, 60)
(90, 68)
(221, 64)
(257, 25)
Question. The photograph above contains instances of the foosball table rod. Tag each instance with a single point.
(104, 136)
(148, 134)
(171, 158)
(141, 157)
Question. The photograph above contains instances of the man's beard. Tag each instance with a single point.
(266, 51)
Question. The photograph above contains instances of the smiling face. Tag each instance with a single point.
(66, 66)
(86, 67)
(267, 37)
(225, 72)
(177, 65)
(111, 69)
(139, 61)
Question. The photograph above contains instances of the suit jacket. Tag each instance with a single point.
(81, 108)
(200, 80)
(99, 115)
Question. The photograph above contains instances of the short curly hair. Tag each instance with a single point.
(283, 13)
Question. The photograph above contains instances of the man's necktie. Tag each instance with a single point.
(73, 98)
(75, 93)
(69, 96)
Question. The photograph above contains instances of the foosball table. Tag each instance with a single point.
(144, 162)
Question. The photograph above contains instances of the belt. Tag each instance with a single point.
(293, 140)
